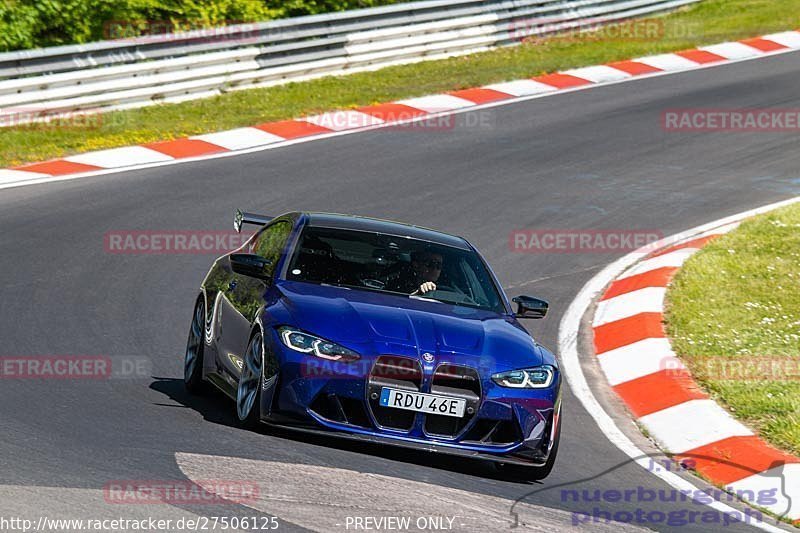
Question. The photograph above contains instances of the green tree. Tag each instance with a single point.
(36, 23)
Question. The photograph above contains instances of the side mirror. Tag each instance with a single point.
(251, 265)
(530, 307)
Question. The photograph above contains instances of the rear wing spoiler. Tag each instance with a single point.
(248, 218)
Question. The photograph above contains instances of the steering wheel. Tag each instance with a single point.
(449, 295)
(372, 283)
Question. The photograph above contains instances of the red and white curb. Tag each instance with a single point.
(273, 134)
(638, 361)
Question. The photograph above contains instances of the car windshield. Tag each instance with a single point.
(393, 264)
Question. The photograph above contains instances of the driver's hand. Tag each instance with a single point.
(428, 286)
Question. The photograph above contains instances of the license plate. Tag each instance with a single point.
(423, 403)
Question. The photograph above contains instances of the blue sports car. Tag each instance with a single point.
(377, 331)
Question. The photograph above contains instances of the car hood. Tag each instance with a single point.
(386, 323)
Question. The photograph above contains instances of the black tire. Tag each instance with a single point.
(248, 393)
(195, 348)
(542, 472)
(534, 473)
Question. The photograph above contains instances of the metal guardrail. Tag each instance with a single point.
(135, 72)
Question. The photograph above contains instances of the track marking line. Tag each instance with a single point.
(239, 138)
(120, 157)
(290, 132)
(647, 300)
(705, 421)
(692, 424)
(637, 360)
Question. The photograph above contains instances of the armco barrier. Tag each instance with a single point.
(125, 73)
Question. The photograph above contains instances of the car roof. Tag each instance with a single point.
(361, 223)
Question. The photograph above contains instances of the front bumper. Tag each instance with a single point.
(505, 425)
(422, 446)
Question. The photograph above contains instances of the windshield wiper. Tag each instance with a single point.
(427, 299)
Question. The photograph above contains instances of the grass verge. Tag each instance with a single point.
(709, 22)
(733, 314)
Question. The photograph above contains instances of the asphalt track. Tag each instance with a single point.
(595, 159)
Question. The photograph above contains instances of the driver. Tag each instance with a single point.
(426, 267)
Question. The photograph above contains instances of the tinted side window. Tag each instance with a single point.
(271, 242)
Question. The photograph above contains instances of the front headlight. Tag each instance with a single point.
(539, 377)
(301, 341)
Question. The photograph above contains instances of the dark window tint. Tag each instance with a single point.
(393, 264)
